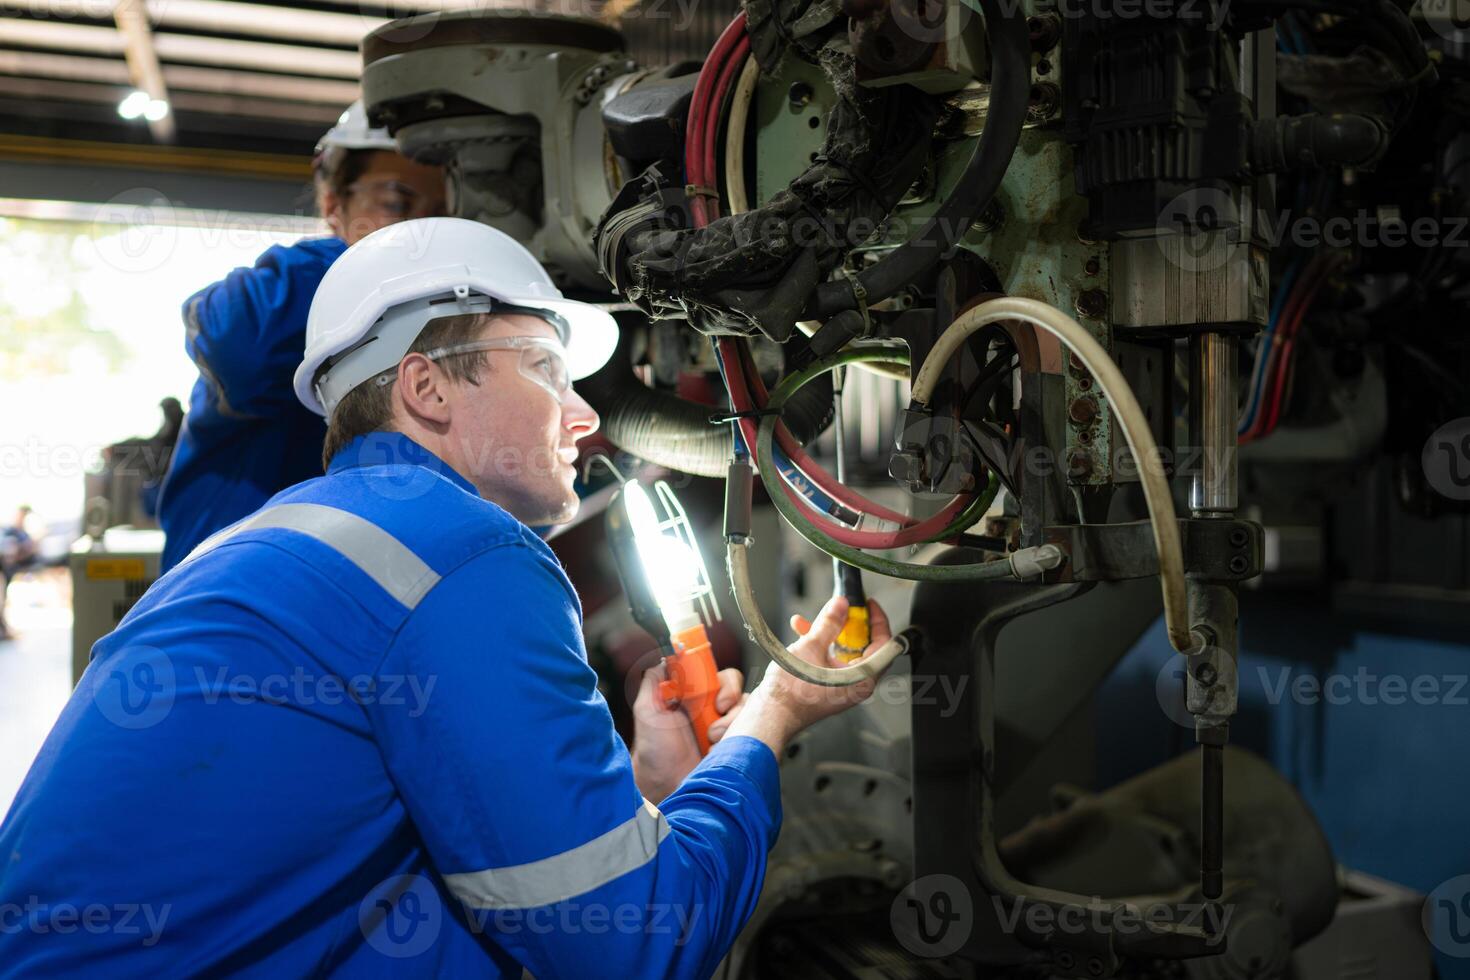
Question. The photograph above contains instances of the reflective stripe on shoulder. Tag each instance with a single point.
(627, 847)
(380, 555)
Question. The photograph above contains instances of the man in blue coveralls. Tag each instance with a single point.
(356, 732)
(246, 437)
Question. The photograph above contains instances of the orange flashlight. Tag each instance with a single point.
(693, 681)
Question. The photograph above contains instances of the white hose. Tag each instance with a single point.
(735, 136)
(740, 201)
(872, 665)
(1130, 419)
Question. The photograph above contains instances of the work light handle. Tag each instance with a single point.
(693, 681)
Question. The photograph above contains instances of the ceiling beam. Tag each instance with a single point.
(268, 110)
(283, 58)
(219, 81)
(131, 18)
(248, 19)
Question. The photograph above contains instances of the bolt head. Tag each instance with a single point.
(1083, 410)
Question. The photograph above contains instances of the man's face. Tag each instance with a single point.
(392, 188)
(516, 440)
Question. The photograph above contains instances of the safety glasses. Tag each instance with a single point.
(542, 359)
(396, 199)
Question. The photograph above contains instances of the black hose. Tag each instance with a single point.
(1405, 36)
(1316, 140)
(1010, 89)
(674, 432)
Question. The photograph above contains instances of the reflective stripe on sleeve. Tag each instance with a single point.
(381, 556)
(627, 847)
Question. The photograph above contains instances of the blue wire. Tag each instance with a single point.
(741, 451)
(794, 477)
(1283, 38)
(1302, 45)
(1268, 339)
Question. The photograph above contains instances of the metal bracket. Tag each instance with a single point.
(1215, 550)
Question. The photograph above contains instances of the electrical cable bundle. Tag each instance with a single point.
(1271, 376)
(805, 482)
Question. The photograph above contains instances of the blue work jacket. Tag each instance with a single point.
(245, 437)
(356, 733)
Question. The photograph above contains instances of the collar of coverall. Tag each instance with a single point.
(394, 449)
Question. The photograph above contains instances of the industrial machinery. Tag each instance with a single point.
(1058, 227)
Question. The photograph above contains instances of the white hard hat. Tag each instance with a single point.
(352, 132)
(378, 296)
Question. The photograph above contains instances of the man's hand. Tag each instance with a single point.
(664, 750)
(783, 704)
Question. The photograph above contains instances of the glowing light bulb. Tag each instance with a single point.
(670, 565)
(134, 105)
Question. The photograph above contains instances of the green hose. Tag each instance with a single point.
(999, 568)
(973, 511)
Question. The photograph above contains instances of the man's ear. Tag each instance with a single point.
(423, 388)
(330, 205)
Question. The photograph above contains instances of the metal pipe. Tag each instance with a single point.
(1212, 822)
(1213, 423)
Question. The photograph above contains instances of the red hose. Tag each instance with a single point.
(1288, 342)
(734, 63)
(701, 106)
(747, 391)
(911, 533)
(1279, 357)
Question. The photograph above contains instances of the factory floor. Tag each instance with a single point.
(35, 672)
